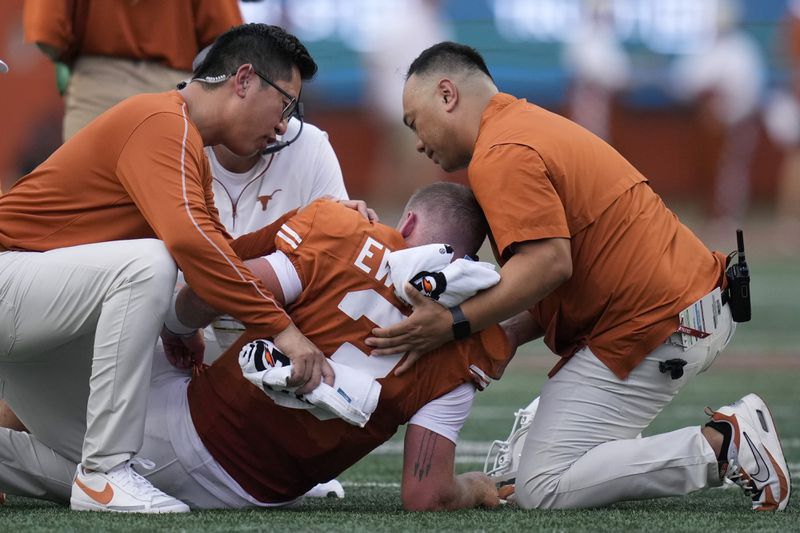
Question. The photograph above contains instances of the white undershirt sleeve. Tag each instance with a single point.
(287, 276)
(327, 173)
(446, 414)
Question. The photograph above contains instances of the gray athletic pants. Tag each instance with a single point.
(77, 331)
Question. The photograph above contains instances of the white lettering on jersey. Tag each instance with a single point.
(381, 312)
(367, 253)
(383, 269)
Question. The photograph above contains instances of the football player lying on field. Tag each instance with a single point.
(218, 441)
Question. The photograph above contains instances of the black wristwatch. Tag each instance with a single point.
(461, 327)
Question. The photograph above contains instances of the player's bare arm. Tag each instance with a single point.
(194, 312)
(429, 482)
(521, 328)
(534, 270)
(309, 365)
(187, 350)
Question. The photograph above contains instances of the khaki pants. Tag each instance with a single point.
(98, 83)
(77, 330)
(581, 449)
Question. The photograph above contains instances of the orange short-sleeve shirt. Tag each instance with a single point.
(538, 175)
(171, 32)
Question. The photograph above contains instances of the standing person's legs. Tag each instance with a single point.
(581, 449)
(732, 181)
(98, 83)
(116, 293)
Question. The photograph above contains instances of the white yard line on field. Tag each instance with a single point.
(685, 412)
(476, 447)
(793, 467)
(370, 484)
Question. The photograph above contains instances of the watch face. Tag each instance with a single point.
(461, 330)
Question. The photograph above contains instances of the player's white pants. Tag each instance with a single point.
(184, 468)
(581, 449)
(77, 331)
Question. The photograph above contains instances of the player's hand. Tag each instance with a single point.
(361, 207)
(427, 328)
(184, 351)
(508, 494)
(483, 489)
(309, 366)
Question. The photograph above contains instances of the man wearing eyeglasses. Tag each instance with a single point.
(84, 278)
(252, 191)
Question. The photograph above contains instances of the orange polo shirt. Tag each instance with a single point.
(170, 32)
(139, 171)
(538, 175)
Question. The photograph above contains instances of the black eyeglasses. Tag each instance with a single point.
(290, 107)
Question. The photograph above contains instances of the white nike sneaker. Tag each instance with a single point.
(121, 490)
(755, 457)
(331, 489)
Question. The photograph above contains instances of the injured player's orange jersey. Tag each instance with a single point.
(277, 454)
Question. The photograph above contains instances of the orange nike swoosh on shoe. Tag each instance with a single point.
(102, 497)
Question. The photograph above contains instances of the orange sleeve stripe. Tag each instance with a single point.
(194, 222)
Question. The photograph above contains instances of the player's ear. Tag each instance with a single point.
(408, 224)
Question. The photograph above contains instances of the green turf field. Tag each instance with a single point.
(764, 357)
(373, 494)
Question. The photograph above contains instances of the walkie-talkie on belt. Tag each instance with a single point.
(738, 290)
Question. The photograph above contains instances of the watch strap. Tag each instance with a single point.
(461, 326)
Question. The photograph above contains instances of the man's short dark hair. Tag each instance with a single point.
(270, 49)
(452, 213)
(448, 56)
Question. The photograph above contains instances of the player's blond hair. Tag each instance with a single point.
(451, 214)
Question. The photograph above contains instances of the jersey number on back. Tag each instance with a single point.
(381, 312)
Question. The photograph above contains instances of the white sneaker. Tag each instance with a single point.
(755, 456)
(121, 490)
(331, 489)
(502, 461)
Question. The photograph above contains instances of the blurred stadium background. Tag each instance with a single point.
(523, 42)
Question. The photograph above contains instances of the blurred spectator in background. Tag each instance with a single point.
(109, 50)
(415, 25)
(727, 82)
(788, 199)
(599, 68)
